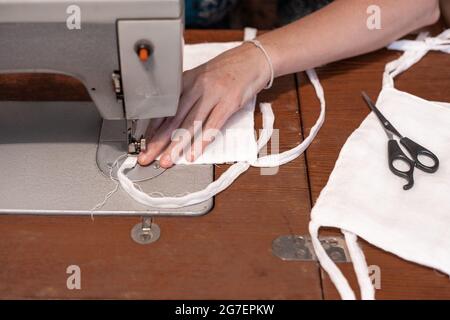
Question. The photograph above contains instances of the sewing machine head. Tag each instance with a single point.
(128, 53)
(62, 154)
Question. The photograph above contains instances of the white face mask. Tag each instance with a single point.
(355, 212)
(237, 142)
(241, 149)
(364, 198)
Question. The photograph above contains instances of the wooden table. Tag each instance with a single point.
(227, 253)
(343, 82)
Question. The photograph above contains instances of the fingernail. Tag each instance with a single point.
(165, 161)
(192, 157)
(141, 158)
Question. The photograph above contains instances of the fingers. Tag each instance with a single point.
(189, 79)
(154, 147)
(203, 122)
(217, 119)
(205, 102)
(191, 125)
(152, 127)
(162, 135)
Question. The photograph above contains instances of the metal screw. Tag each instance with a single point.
(145, 232)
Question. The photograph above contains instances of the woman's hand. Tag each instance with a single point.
(211, 93)
(217, 89)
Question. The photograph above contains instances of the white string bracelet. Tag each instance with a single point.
(269, 61)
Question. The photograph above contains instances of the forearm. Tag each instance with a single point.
(340, 30)
(214, 91)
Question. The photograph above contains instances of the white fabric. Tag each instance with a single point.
(229, 176)
(237, 142)
(224, 181)
(364, 198)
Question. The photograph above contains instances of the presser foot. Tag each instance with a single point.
(136, 141)
(154, 180)
(115, 145)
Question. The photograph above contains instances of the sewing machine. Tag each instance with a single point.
(56, 157)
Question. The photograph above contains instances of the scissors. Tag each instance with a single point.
(395, 154)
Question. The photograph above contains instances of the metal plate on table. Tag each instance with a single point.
(300, 248)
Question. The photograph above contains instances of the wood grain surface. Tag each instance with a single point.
(227, 253)
(343, 83)
(223, 255)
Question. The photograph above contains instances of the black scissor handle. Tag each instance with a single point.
(417, 150)
(395, 155)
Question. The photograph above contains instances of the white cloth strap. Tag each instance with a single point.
(275, 160)
(224, 181)
(228, 177)
(414, 51)
(336, 276)
(360, 266)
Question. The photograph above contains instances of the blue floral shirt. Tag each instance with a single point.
(203, 13)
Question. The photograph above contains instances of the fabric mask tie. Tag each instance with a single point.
(229, 176)
(414, 51)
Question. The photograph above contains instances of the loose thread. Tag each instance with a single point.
(113, 191)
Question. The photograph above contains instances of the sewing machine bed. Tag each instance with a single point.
(48, 165)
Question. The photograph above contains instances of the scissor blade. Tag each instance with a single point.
(369, 101)
(388, 127)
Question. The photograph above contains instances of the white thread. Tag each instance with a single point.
(107, 196)
(269, 61)
(116, 187)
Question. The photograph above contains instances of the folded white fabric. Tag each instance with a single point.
(237, 139)
(363, 197)
(239, 148)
